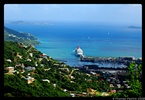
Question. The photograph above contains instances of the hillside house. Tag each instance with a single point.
(46, 80)
(88, 74)
(47, 69)
(29, 80)
(128, 87)
(18, 65)
(72, 77)
(104, 94)
(10, 70)
(9, 60)
(72, 82)
(111, 85)
(63, 65)
(24, 46)
(36, 64)
(65, 90)
(93, 73)
(30, 68)
(40, 59)
(72, 95)
(22, 71)
(22, 65)
(119, 85)
(44, 55)
(20, 56)
(28, 60)
(54, 85)
(112, 91)
(42, 65)
(32, 46)
(56, 64)
(31, 54)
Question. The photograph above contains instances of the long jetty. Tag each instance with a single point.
(119, 60)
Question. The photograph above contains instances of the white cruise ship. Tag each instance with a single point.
(78, 51)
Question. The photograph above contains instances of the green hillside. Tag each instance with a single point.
(26, 38)
(30, 73)
(64, 76)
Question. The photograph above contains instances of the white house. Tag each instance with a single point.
(72, 95)
(72, 82)
(119, 85)
(29, 79)
(46, 80)
(54, 85)
(31, 54)
(105, 94)
(28, 60)
(65, 90)
(72, 77)
(10, 69)
(47, 69)
(40, 59)
(20, 56)
(9, 60)
(93, 73)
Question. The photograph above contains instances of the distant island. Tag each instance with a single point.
(27, 22)
(26, 38)
(134, 27)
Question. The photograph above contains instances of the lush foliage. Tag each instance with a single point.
(16, 86)
(26, 38)
(64, 76)
(134, 80)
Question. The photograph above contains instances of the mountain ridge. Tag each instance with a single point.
(15, 36)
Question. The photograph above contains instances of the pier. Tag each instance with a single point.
(118, 60)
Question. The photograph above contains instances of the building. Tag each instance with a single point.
(31, 54)
(29, 80)
(9, 60)
(44, 55)
(46, 80)
(72, 95)
(29, 68)
(10, 70)
(40, 59)
(28, 60)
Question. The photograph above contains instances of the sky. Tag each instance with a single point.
(101, 13)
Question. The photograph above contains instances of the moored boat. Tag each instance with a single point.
(79, 52)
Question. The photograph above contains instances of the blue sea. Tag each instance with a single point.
(58, 40)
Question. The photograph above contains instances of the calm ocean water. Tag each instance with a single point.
(58, 40)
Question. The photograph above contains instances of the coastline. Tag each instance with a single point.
(60, 44)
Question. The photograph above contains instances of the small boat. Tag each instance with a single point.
(78, 52)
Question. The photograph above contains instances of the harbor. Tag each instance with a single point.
(125, 60)
(117, 60)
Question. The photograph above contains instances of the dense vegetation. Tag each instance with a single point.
(16, 86)
(134, 80)
(26, 38)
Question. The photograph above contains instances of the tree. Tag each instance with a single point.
(134, 72)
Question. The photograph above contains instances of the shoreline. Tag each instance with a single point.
(119, 60)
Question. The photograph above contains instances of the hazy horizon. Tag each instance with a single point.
(123, 14)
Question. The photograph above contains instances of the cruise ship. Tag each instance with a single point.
(78, 52)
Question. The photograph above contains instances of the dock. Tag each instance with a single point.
(119, 60)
